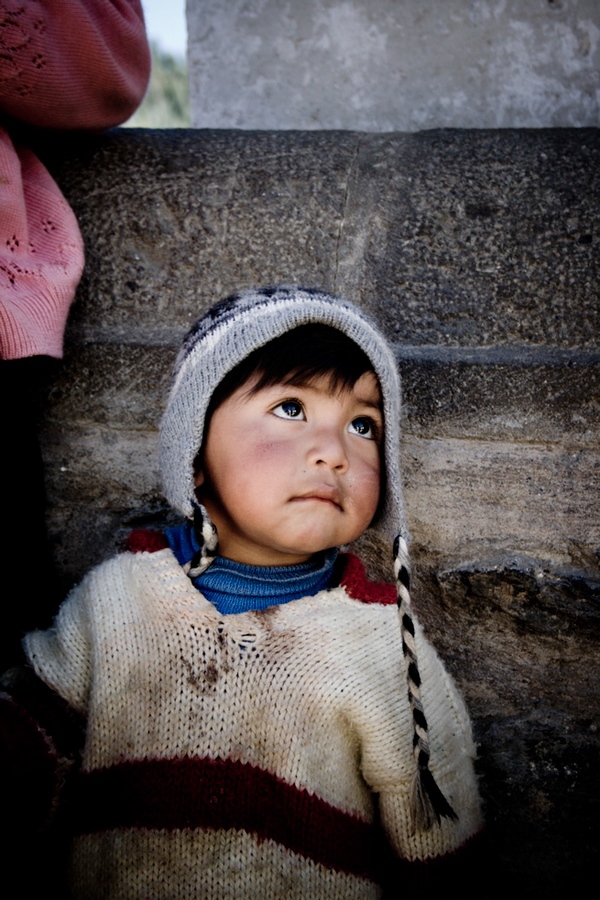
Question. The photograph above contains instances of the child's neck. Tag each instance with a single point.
(234, 587)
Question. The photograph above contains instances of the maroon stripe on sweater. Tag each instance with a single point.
(197, 793)
(354, 579)
(145, 540)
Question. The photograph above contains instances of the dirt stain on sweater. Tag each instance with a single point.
(212, 672)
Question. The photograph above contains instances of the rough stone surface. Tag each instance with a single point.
(384, 65)
(477, 241)
(522, 640)
(483, 400)
(467, 499)
(192, 216)
(477, 253)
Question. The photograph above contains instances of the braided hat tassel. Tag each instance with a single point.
(428, 804)
(206, 535)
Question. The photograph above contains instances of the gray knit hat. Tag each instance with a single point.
(224, 336)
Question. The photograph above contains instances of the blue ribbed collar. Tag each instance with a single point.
(235, 587)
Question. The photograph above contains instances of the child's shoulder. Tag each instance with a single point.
(122, 567)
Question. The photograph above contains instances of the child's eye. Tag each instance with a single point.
(289, 409)
(364, 427)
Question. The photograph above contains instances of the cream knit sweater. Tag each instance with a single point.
(237, 756)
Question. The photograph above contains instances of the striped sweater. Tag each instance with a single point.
(263, 754)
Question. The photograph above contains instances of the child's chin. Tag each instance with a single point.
(311, 546)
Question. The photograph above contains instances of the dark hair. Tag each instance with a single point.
(296, 358)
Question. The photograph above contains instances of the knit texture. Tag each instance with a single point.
(70, 64)
(41, 256)
(237, 756)
(229, 332)
(233, 587)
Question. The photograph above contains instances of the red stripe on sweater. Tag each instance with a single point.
(196, 793)
(358, 586)
(146, 540)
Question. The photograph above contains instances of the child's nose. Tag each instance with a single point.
(328, 449)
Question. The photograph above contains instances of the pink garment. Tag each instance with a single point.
(41, 256)
(64, 64)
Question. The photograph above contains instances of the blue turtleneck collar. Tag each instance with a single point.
(234, 587)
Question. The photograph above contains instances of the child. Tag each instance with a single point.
(248, 727)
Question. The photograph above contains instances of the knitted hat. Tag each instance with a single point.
(229, 332)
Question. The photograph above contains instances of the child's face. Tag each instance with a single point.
(289, 471)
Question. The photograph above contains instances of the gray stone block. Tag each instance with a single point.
(450, 238)
(121, 386)
(468, 499)
(384, 65)
(180, 219)
(503, 397)
(522, 641)
(476, 239)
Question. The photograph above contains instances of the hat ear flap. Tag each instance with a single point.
(208, 540)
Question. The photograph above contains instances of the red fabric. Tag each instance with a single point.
(64, 64)
(145, 540)
(223, 794)
(358, 586)
(69, 64)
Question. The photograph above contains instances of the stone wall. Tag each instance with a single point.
(394, 65)
(477, 253)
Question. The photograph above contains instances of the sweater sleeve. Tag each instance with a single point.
(62, 656)
(72, 64)
(40, 742)
(388, 763)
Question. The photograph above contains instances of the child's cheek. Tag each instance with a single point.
(267, 463)
(271, 450)
(366, 480)
(364, 483)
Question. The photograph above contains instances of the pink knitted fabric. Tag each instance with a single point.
(41, 256)
(70, 64)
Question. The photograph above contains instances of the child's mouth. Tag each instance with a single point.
(322, 494)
